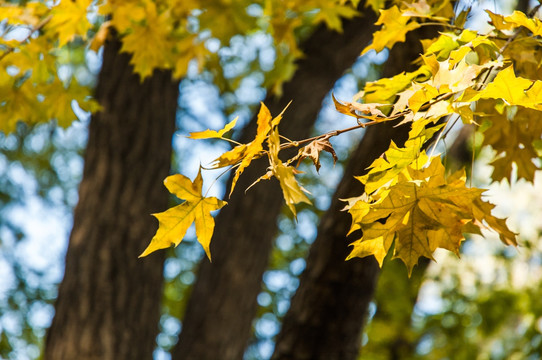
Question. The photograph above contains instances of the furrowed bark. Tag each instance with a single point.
(219, 314)
(108, 305)
(327, 313)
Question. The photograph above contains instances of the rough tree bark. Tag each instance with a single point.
(219, 314)
(108, 305)
(329, 309)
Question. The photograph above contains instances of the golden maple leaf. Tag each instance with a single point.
(244, 154)
(422, 212)
(69, 19)
(514, 90)
(211, 134)
(394, 29)
(293, 193)
(174, 222)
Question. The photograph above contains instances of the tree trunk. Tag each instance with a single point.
(328, 311)
(108, 305)
(523, 5)
(219, 314)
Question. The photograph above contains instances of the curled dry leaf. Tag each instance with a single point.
(312, 151)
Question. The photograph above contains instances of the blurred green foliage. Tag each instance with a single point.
(36, 164)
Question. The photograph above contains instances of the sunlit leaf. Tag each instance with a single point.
(174, 222)
(395, 26)
(208, 134)
(422, 212)
(293, 193)
(69, 19)
(514, 90)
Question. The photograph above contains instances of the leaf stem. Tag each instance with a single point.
(218, 177)
(328, 134)
(231, 141)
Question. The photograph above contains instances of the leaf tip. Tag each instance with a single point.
(208, 253)
(146, 252)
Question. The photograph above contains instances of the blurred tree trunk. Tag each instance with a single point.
(219, 313)
(108, 305)
(523, 5)
(329, 309)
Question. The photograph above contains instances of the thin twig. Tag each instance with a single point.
(36, 28)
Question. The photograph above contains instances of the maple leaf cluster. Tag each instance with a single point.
(410, 205)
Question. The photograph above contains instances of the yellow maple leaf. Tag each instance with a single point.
(293, 193)
(514, 90)
(404, 221)
(395, 26)
(69, 19)
(156, 30)
(421, 212)
(213, 134)
(482, 212)
(244, 154)
(386, 89)
(514, 21)
(513, 139)
(332, 14)
(174, 222)
(384, 170)
(519, 18)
